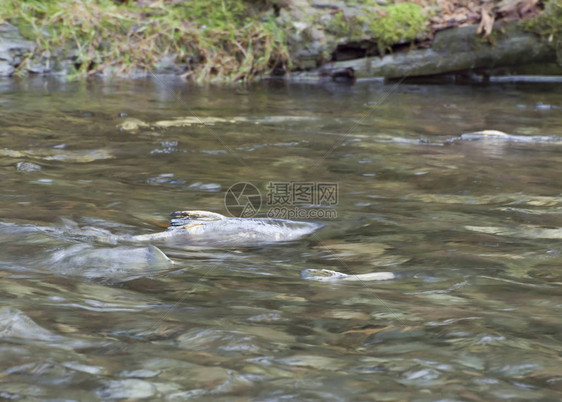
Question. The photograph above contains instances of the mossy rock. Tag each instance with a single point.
(402, 22)
(548, 25)
(458, 50)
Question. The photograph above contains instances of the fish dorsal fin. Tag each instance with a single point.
(157, 256)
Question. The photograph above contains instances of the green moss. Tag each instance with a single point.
(399, 22)
(232, 43)
(548, 25)
(388, 25)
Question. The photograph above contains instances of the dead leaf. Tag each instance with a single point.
(457, 17)
(508, 6)
(527, 7)
(486, 22)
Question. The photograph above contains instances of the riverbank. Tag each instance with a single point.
(243, 41)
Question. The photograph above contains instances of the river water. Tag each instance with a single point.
(469, 228)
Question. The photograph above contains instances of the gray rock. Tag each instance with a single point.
(127, 389)
(40, 67)
(13, 48)
(27, 167)
(6, 69)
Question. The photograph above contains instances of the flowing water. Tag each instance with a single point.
(467, 229)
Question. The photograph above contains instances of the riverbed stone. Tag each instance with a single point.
(27, 167)
(127, 389)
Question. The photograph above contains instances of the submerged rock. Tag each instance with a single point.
(521, 231)
(127, 389)
(116, 262)
(76, 156)
(326, 275)
(188, 121)
(495, 135)
(132, 124)
(165, 178)
(27, 167)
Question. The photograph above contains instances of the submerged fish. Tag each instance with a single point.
(204, 228)
(94, 251)
(210, 228)
(116, 262)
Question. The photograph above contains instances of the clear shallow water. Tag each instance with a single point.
(471, 230)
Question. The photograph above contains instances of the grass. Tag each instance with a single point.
(226, 41)
(232, 43)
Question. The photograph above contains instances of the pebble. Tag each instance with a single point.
(131, 389)
(27, 167)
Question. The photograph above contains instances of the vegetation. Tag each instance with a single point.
(548, 25)
(387, 25)
(400, 22)
(234, 42)
(239, 40)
